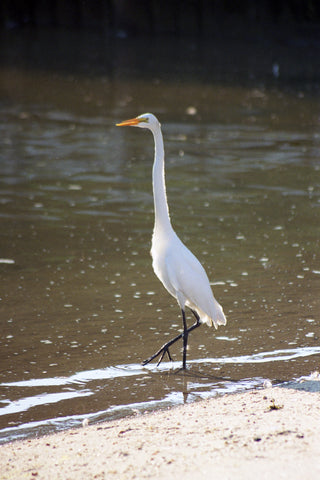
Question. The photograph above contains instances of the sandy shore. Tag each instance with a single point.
(272, 433)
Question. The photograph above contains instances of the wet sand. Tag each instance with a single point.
(269, 433)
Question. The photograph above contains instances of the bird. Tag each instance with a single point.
(173, 263)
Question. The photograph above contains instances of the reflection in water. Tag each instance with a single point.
(80, 307)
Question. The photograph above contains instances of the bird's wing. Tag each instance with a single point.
(189, 279)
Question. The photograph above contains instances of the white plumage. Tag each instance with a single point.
(184, 277)
(177, 268)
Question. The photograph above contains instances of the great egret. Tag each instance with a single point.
(176, 267)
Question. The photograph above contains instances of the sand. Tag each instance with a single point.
(272, 433)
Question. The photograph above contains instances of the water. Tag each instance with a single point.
(80, 306)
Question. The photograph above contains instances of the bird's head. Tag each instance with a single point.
(146, 120)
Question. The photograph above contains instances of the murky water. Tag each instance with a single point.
(80, 306)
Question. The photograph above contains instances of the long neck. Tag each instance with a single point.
(161, 210)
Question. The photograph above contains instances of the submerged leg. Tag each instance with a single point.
(165, 348)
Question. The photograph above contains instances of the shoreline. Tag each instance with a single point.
(273, 432)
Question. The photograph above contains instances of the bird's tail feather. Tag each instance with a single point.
(216, 318)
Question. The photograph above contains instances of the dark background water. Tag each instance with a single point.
(80, 306)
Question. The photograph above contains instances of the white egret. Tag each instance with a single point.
(176, 267)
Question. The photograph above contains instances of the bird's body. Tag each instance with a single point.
(177, 268)
(184, 277)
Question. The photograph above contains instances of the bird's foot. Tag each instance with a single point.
(163, 350)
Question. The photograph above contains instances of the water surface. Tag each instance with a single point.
(80, 306)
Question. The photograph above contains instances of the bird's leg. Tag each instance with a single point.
(198, 323)
(185, 340)
(165, 348)
(185, 334)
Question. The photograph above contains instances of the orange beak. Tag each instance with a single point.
(129, 123)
